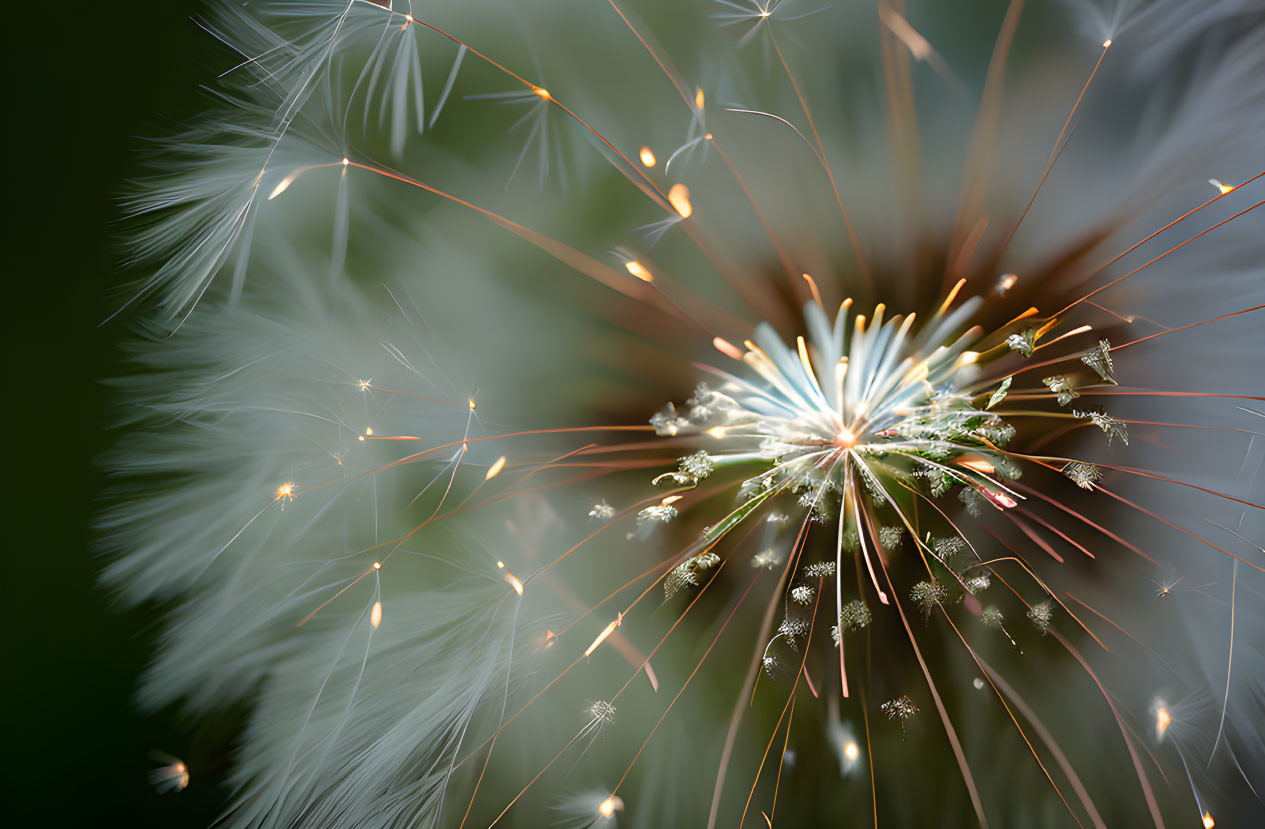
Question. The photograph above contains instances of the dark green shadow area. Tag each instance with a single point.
(90, 79)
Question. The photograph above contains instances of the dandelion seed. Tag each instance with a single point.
(282, 186)
(802, 594)
(1083, 474)
(375, 615)
(977, 583)
(792, 630)
(608, 807)
(172, 776)
(1023, 342)
(820, 570)
(1100, 361)
(602, 712)
(495, 469)
(853, 616)
(1163, 719)
(928, 595)
(659, 513)
(1061, 385)
(667, 423)
(604, 635)
(639, 270)
(1111, 427)
(771, 666)
(890, 537)
(1042, 615)
(901, 708)
(679, 197)
(766, 559)
(688, 574)
(991, 617)
(602, 511)
(697, 466)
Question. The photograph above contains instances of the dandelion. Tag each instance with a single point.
(898, 321)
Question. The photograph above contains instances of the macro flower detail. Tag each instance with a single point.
(920, 293)
(901, 708)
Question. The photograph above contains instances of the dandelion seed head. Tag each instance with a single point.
(900, 708)
(766, 559)
(977, 583)
(602, 712)
(819, 570)
(828, 428)
(688, 573)
(928, 595)
(1083, 474)
(793, 630)
(951, 548)
(854, 615)
(697, 466)
(659, 513)
(666, 423)
(1041, 615)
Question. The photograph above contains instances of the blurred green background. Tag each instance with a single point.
(90, 80)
